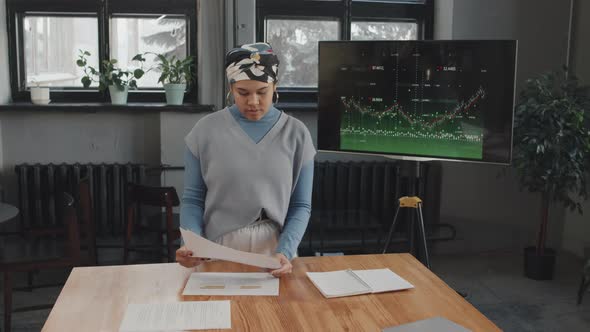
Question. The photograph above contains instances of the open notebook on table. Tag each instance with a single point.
(355, 282)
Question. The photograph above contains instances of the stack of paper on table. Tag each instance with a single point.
(213, 283)
(177, 316)
(354, 282)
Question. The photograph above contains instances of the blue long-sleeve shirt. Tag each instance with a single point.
(195, 190)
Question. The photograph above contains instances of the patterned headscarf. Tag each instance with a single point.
(252, 62)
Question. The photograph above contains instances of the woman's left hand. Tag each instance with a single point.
(285, 268)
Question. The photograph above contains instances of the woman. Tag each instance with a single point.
(249, 167)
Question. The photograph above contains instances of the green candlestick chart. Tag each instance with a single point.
(442, 127)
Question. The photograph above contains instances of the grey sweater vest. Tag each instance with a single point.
(243, 177)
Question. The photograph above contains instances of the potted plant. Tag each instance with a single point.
(551, 151)
(117, 80)
(175, 75)
(39, 94)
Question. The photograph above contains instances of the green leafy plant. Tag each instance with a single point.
(175, 71)
(552, 143)
(110, 74)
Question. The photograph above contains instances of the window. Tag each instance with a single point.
(51, 45)
(45, 38)
(294, 28)
(160, 35)
(297, 40)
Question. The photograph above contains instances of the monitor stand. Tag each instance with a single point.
(416, 226)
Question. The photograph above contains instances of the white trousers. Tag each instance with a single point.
(261, 237)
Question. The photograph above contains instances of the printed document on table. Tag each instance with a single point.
(177, 316)
(208, 249)
(214, 283)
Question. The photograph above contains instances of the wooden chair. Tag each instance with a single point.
(85, 216)
(160, 197)
(43, 249)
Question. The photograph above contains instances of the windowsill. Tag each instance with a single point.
(106, 107)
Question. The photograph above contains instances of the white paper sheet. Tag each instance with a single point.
(177, 316)
(213, 283)
(208, 249)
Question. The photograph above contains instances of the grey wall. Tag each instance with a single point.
(174, 127)
(55, 137)
(4, 77)
(80, 137)
(443, 24)
(581, 41)
(576, 234)
(488, 209)
(540, 26)
(245, 22)
(211, 41)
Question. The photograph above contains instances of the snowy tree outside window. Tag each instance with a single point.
(160, 35)
(51, 47)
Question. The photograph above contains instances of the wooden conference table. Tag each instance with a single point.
(95, 298)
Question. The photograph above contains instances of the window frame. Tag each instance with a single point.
(346, 11)
(103, 10)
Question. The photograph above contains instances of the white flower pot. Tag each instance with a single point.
(40, 95)
(174, 93)
(118, 97)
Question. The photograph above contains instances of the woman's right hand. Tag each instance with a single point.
(185, 258)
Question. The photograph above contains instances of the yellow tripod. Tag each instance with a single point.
(412, 202)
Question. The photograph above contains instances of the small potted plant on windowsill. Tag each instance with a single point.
(117, 80)
(175, 75)
(552, 152)
(39, 94)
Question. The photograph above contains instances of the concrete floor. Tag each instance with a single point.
(495, 285)
(493, 282)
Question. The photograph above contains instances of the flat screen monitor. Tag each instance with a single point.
(418, 99)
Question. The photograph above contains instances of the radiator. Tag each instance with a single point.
(40, 183)
(355, 200)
